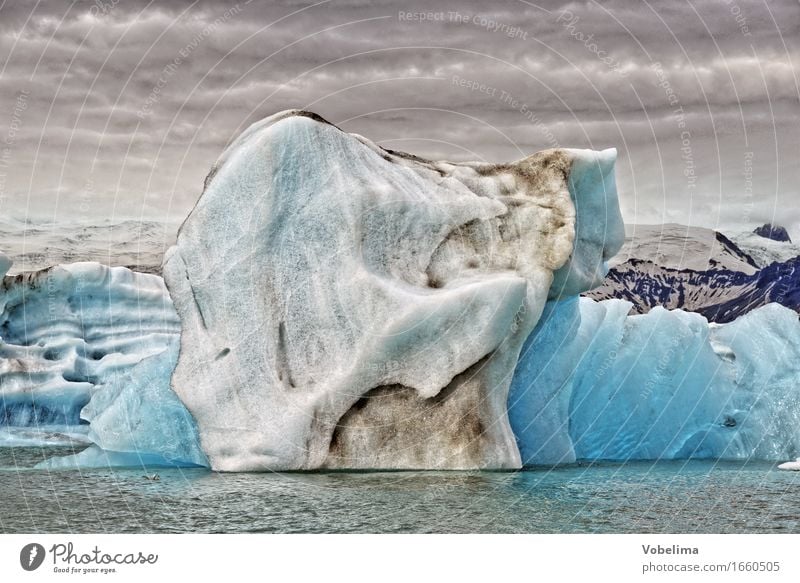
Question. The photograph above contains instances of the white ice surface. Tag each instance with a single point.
(315, 262)
(794, 466)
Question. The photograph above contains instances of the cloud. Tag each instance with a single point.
(140, 98)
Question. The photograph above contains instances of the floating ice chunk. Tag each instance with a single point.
(795, 465)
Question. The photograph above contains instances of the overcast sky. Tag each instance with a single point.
(118, 109)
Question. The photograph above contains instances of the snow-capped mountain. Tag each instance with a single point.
(701, 270)
(764, 250)
(679, 247)
(773, 232)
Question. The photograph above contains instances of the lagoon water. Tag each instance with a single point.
(661, 497)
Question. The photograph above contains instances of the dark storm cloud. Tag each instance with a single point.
(128, 103)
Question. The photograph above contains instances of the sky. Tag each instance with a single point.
(118, 108)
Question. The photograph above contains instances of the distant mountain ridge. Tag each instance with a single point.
(719, 275)
(36, 244)
(705, 272)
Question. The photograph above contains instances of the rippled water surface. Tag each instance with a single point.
(635, 497)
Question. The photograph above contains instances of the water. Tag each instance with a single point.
(662, 497)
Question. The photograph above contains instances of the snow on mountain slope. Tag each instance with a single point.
(365, 308)
(720, 295)
(649, 273)
(593, 383)
(680, 247)
(764, 251)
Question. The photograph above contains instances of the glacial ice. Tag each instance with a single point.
(135, 419)
(793, 465)
(347, 306)
(85, 343)
(594, 383)
(70, 327)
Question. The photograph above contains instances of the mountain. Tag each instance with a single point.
(35, 244)
(681, 247)
(775, 233)
(699, 270)
(763, 250)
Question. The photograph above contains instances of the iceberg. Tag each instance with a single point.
(595, 383)
(70, 327)
(136, 420)
(86, 356)
(333, 304)
(347, 306)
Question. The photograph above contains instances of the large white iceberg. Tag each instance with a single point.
(347, 306)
